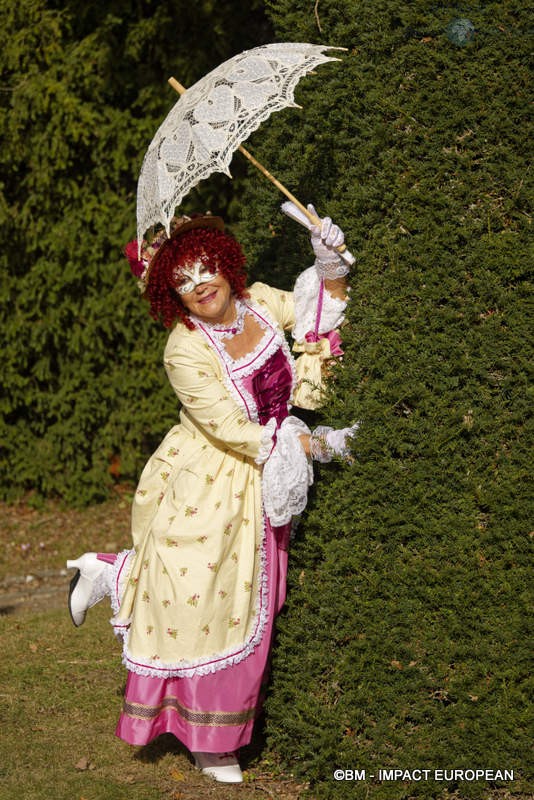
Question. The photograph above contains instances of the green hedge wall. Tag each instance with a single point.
(405, 639)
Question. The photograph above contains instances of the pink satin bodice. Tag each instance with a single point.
(270, 386)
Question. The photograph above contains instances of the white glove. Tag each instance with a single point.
(325, 443)
(298, 215)
(325, 238)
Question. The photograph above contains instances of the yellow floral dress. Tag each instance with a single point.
(193, 588)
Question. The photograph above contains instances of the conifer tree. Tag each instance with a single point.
(84, 88)
(403, 644)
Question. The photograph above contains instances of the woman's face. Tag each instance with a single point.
(207, 295)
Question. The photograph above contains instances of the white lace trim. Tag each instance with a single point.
(120, 571)
(266, 446)
(253, 361)
(305, 295)
(187, 669)
(242, 397)
(287, 474)
(240, 363)
(280, 339)
(218, 331)
(235, 370)
(331, 269)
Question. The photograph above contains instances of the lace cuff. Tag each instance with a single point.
(331, 269)
(287, 474)
(267, 441)
(305, 295)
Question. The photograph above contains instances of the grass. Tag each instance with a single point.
(40, 537)
(60, 700)
(61, 688)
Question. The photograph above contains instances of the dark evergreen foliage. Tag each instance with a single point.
(84, 88)
(404, 641)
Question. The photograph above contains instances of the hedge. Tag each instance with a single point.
(404, 641)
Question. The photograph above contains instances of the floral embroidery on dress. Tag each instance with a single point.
(233, 622)
(206, 629)
(247, 586)
(149, 629)
(165, 603)
(228, 529)
(183, 571)
(145, 597)
(222, 594)
(214, 566)
(210, 479)
(193, 600)
(164, 475)
(234, 557)
(202, 539)
(218, 505)
(239, 495)
(169, 542)
(173, 632)
(190, 511)
(146, 562)
(172, 451)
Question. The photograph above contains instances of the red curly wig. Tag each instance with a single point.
(221, 249)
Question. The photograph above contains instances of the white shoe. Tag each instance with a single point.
(223, 767)
(85, 589)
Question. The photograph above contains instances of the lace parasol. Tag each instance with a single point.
(211, 119)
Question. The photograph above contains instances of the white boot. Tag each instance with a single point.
(88, 587)
(223, 767)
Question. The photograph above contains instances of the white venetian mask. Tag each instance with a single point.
(194, 274)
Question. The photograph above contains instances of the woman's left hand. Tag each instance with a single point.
(325, 443)
(325, 238)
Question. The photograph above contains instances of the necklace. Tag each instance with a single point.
(226, 332)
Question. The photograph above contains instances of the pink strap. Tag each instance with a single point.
(320, 300)
(333, 336)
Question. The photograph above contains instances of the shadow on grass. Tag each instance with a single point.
(168, 744)
(158, 748)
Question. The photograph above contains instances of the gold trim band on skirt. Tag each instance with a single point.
(207, 718)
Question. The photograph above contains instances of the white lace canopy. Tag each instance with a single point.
(209, 122)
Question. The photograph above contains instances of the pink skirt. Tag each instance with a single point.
(212, 713)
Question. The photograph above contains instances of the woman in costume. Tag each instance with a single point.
(196, 597)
